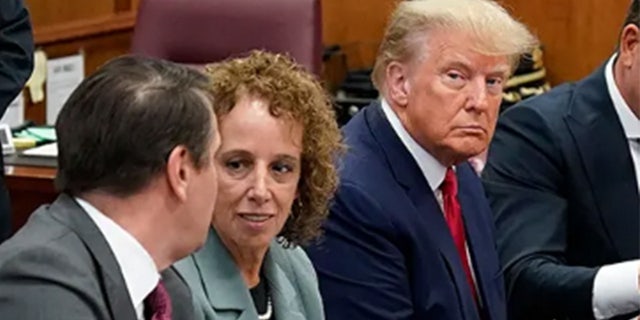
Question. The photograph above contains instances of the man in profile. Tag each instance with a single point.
(562, 178)
(410, 235)
(136, 144)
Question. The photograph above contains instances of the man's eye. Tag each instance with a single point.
(454, 76)
(494, 82)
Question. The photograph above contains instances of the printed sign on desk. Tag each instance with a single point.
(63, 76)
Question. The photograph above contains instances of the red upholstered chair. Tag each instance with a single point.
(197, 32)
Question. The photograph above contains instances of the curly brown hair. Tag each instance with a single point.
(294, 93)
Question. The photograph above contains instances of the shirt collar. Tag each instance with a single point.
(432, 169)
(630, 123)
(138, 269)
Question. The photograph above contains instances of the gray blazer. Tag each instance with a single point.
(219, 291)
(59, 266)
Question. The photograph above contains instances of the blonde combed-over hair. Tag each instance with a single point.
(495, 32)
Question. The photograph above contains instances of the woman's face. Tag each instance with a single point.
(258, 173)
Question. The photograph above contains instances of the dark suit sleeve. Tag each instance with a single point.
(360, 267)
(16, 50)
(524, 183)
(42, 283)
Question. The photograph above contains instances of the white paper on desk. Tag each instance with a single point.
(45, 150)
(63, 76)
(14, 115)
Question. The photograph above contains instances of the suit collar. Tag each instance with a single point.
(282, 290)
(224, 286)
(399, 159)
(138, 268)
(431, 169)
(604, 151)
(628, 120)
(69, 213)
(226, 290)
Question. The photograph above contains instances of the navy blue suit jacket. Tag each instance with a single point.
(387, 252)
(562, 185)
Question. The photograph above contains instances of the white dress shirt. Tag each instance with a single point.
(138, 269)
(615, 288)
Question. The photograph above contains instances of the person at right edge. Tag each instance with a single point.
(562, 180)
(410, 232)
(16, 64)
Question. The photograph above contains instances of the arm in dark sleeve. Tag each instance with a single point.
(42, 283)
(16, 50)
(361, 270)
(523, 180)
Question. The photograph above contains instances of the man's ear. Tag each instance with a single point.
(397, 81)
(629, 45)
(178, 170)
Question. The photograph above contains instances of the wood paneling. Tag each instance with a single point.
(577, 35)
(357, 26)
(84, 28)
(101, 29)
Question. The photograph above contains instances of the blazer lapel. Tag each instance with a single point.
(283, 293)
(223, 284)
(479, 241)
(67, 211)
(603, 147)
(408, 174)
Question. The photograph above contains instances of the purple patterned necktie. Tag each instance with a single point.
(157, 305)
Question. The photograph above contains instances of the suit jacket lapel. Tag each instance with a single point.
(408, 174)
(224, 286)
(479, 241)
(179, 293)
(603, 147)
(67, 211)
(283, 293)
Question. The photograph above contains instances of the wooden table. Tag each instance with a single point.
(29, 188)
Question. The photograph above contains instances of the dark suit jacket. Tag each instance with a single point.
(387, 252)
(561, 183)
(59, 266)
(16, 63)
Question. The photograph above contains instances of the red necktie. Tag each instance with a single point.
(157, 305)
(453, 215)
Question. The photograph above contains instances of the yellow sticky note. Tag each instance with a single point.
(38, 76)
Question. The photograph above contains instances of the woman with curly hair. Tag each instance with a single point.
(276, 176)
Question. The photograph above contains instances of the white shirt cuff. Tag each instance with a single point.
(615, 290)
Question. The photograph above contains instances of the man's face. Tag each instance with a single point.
(451, 96)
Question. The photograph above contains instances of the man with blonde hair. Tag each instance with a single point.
(410, 234)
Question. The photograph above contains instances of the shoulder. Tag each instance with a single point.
(43, 238)
(546, 110)
(54, 269)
